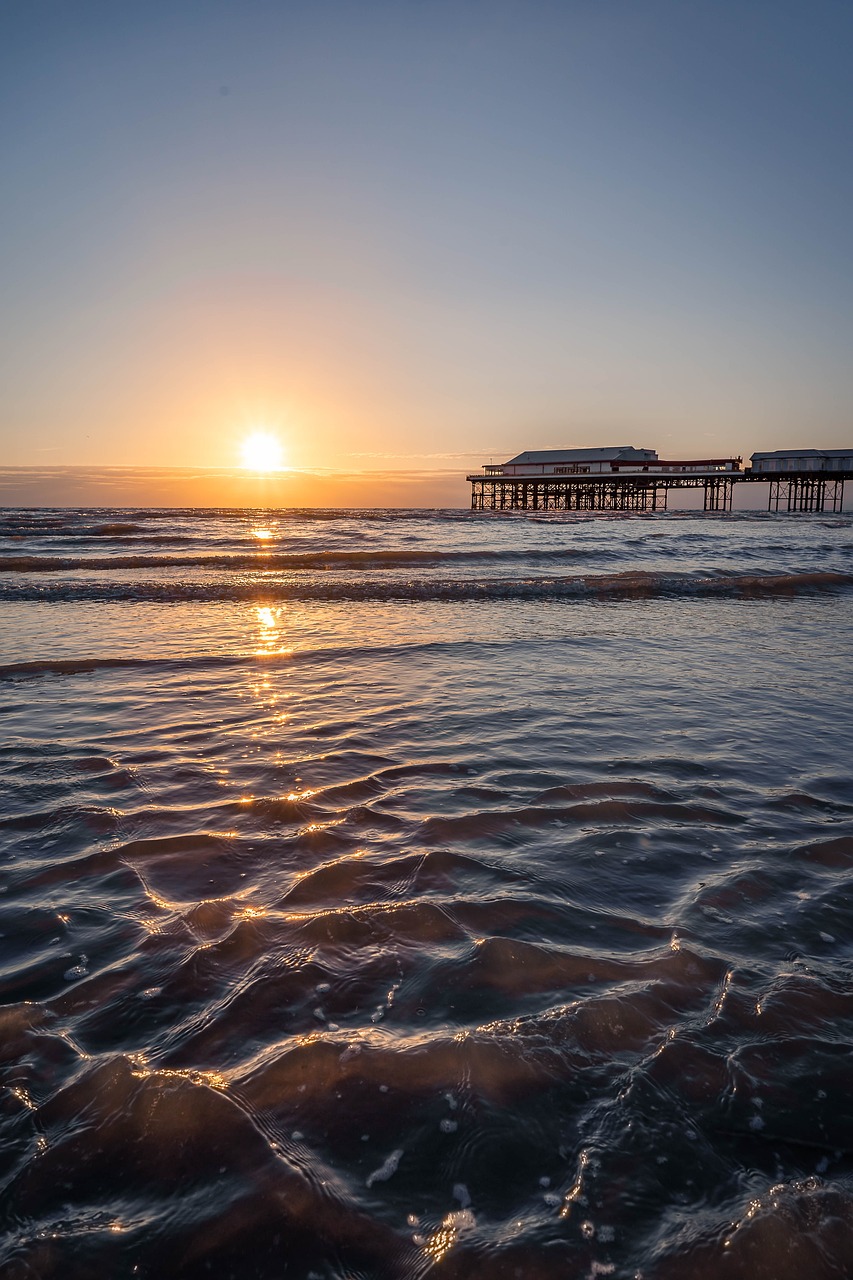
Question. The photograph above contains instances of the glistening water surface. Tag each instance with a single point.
(407, 894)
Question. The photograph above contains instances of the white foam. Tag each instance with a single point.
(386, 1170)
(80, 970)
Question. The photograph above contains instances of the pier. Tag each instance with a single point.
(628, 479)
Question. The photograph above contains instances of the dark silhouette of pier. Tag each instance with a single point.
(628, 479)
(805, 492)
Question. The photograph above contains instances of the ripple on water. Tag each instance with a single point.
(332, 991)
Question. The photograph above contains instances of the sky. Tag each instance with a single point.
(411, 237)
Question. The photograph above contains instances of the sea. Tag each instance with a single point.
(388, 895)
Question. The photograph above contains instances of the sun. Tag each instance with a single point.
(262, 451)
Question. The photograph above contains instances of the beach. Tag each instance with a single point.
(398, 893)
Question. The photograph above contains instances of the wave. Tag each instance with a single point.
(376, 559)
(96, 520)
(630, 585)
(106, 521)
(319, 653)
(372, 559)
(84, 666)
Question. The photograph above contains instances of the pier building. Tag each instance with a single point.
(557, 462)
(779, 460)
(803, 479)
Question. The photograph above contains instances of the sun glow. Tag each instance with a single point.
(262, 451)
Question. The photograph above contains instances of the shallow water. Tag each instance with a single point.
(398, 893)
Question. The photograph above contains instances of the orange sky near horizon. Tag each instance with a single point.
(233, 487)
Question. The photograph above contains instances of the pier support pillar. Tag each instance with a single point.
(808, 493)
(718, 494)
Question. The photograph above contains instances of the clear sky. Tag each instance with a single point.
(419, 234)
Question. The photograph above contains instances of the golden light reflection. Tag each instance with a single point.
(437, 1245)
(262, 451)
(140, 1069)
(576, 1190)
(252, 913)
(269, 624)
(263, 535)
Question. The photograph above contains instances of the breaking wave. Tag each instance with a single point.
(262, 561)
(616, 586)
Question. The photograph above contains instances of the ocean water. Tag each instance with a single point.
(399, 894)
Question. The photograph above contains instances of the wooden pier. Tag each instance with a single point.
(605, 493)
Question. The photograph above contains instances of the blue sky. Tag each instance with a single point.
(423, 234)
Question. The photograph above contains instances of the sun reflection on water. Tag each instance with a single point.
(269, 632)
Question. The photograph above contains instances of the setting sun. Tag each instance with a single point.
(262, 451)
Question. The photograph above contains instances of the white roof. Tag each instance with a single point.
(537, 456)
(804, 453)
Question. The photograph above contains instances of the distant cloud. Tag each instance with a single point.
(434, 457)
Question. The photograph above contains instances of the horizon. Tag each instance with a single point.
(232, 488)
